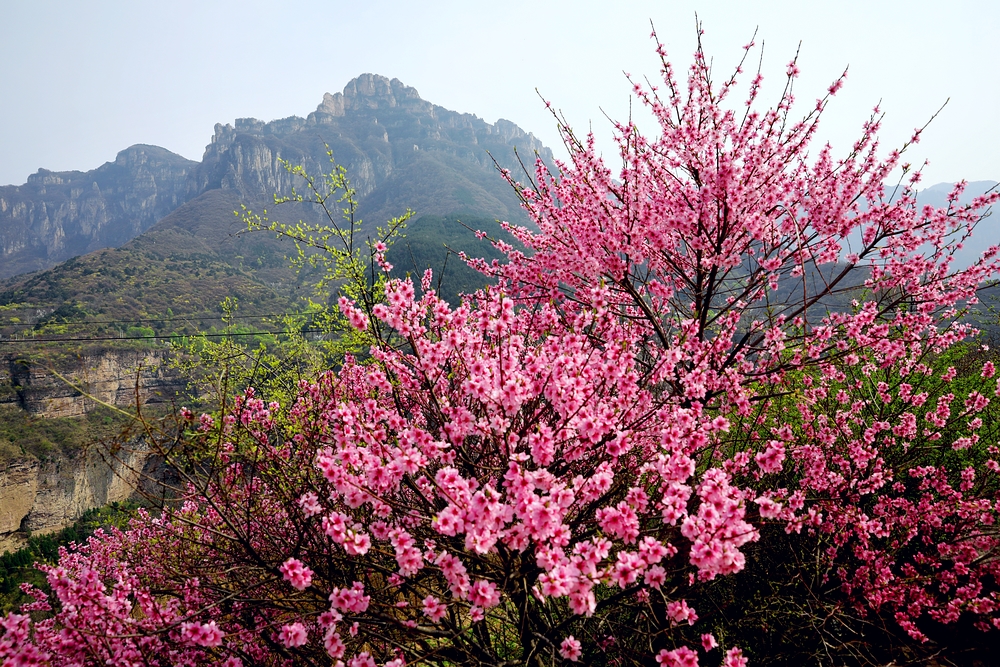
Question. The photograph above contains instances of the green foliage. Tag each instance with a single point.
(434, 242)
(23, 435)
(333, 250)
(273, 365)
(171, 280)
(140, 332)
(66, 312)
(330, 253)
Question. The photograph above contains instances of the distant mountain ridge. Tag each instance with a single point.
(168, 239)
(400, 150)
(987, 231)
(59, 215)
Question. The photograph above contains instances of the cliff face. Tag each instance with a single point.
(58, 215)
(43, 496)
(18, 489)
(42, 493)
(111, 376)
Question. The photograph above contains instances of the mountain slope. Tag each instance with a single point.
(176, 267)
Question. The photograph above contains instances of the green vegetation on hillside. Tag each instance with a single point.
(433, 242)
(23, 435)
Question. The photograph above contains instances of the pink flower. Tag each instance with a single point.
(293, 635)
(708, 641)
(734, 658)
(362, 659)
(768, 508)
(434, 609)
(297, 574)
(351, 599)
(485, 594)
(770, 459)
(570, 649)
(620, 521)
(681, 657)
(309, 503)
(655, 577)
(679, 612)
(208, 634)
(334, 646)
(328, 619)
(354, 315)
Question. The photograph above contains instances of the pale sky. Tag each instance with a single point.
(80, 81)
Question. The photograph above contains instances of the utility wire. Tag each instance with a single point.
(186, 318)
(165, 337)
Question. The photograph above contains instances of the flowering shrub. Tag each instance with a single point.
(724, 337)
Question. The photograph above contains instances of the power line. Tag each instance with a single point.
(186, 318)
(165, 337)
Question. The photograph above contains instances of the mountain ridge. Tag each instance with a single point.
(404, 150)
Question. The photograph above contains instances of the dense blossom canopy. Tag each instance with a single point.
(728, 334)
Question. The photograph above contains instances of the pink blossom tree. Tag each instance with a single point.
(729, 335)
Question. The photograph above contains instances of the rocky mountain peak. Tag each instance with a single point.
(400, 150)
(45, 177)
(139, 154)
(371, 91)
(58, 215)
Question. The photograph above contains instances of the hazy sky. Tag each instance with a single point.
(81, 81)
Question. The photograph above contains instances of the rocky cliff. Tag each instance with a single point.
(112, 376)
(58, 215)
(45, 495)
(45, 490)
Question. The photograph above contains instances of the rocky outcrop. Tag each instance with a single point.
(48, 492)
(58, 215)
(111, 376)
(371, 91)
(399, 150)
(45, 495)
(18, 488)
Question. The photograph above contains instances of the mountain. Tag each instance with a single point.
(180, 250)
(937, 195)
(58, 215)
(170, 240)
(987, 231)
(400, 151)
